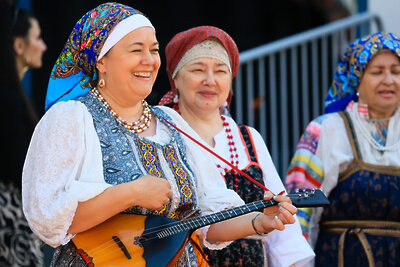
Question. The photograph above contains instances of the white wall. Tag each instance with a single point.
(389, 11)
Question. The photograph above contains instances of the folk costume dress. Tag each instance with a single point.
(278, 248)
(79, 149)
(250, 154)
(356, 162)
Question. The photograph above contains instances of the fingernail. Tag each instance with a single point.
(265, 195)
(273, 197)
(276, 217)
(282, 208)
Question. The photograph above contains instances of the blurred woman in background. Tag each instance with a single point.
(21, 48)
(28, 43)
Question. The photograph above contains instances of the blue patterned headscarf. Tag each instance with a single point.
(74, 73)
(352, 66)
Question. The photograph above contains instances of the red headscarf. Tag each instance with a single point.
(183, 41)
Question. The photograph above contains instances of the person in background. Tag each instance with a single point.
(100, 149)
(353, 154)
(28, 43)
(21, 39)
(201, 63)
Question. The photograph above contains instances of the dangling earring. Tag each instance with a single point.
(176, 97)
(225, 105)
(101, 83)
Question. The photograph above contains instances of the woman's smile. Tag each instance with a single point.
(142, 74)
(207, 93)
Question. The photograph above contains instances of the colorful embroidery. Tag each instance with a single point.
(304, 216)
(182, 178)
(149, 158)
(377, 128)
(182, 262)
(152, 165)
(306, 170)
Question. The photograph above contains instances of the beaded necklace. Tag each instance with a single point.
(371, 140)
(234, 157)
(136, 127)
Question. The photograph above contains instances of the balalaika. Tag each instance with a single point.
(138, 240)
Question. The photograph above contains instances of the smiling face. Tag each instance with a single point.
(203, 84)
(130, 67)
(380, 85)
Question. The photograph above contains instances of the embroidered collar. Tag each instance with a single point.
(362, 110)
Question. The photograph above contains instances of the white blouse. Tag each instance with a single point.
(64, 166)
(283, 247)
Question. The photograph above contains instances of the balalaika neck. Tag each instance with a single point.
(198, 222)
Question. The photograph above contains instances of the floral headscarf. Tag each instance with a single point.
(352, 66)
(183, 41)
(74, 73)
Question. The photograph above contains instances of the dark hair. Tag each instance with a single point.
(21, 23)
(8, 69)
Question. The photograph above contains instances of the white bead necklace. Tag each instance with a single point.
(371, 140)
(136, 127)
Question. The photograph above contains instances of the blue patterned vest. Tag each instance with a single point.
(126, 157)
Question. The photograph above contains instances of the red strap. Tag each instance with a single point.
(83, 255)
(219, 157)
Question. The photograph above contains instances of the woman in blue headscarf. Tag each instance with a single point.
(100, 150)
(353, 154)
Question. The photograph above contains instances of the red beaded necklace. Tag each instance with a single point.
(234, 157)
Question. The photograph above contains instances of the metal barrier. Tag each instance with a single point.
(281, 85)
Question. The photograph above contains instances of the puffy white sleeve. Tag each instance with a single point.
(213, 195)
(288, 246)
(63, 166)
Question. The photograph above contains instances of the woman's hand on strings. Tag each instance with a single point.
(275, 217)
(151, 192)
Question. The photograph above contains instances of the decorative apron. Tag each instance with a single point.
(243, 252)
(361, 227)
